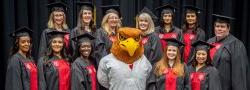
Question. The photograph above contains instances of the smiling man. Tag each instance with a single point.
(229, 56)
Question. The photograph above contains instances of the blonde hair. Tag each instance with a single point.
(105, 25)
(161, 65)
(146, 16)
(51, 21)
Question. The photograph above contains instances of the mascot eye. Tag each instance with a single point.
(137, 38)
(122, 38)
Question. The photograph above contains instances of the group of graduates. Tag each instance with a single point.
(179, 58)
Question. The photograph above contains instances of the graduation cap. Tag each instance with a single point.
(174, 42)
(85, 3)
(111, 9)
(86, 37)
(193, 8)
(202, 45)
(166, 7)
(222, 18)
(148, 11)
(54, 33)
(57, 6)
(22, 31)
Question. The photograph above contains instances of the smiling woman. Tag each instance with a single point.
(54, 67)
(56, 22)
(105, 35)
(192, 31)
(84, 66)
(85, 21)
(150, 40)
(22, 71)
(168, 73)
(201, 75)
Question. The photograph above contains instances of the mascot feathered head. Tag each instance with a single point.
(127, 47)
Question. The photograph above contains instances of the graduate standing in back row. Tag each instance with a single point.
(57, 22)
(105, 35)
(85, 21)
(229, 56)
(192, 31)
(150, 40)
(22, 73)
(167, 29)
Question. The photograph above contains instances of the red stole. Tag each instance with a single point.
(31, 67)
(144, 40)
(166, 36)
(63, 68)
(170, 80)
(188, 38)
(196, 79)
(214, 49)
(66, 40)
(112, 38)
(92, 74)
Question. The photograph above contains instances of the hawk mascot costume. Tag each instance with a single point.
(126, 67)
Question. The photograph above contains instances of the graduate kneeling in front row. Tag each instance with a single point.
(201, 74)
(83, 75)
(169, 72)
(22, 71)
(126, 68)
(54, 67)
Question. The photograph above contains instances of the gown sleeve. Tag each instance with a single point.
(77, 79)
(214, 79)
(43, 44)
(187, 83)
(156, 51)
(72, 43)
(180, 34)
(239, 64)
(13, 76)
(42, 82)
(100, 50)
(151, 81)
(102, 74)
(201, 35)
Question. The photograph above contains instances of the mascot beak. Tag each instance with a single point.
(129, 45)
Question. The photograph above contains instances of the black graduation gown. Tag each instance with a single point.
(230, 58)
(160, 82)
(75, 32)
(83, 76)
(152, 47)
(103, 44)
(54, 73)
(175, 32)
(44, 40)
(188, 39)
(21, 74)
(206, 78)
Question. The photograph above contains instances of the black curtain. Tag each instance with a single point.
(34, 13)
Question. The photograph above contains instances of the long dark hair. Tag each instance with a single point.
(49, 52)
(15, 46)
(167, 11)
(208, 61)
(185, 25)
